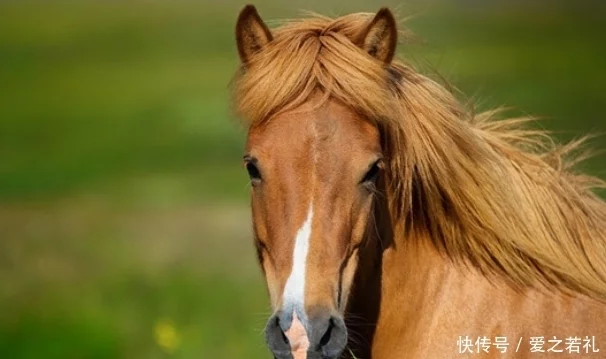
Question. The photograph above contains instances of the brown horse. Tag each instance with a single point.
(391, 222)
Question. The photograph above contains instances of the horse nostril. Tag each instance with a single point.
(276, 339)
(279, 329)
(285, 338)
(326, 337)
(333, 339)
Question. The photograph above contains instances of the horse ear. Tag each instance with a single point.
(251, 33)
(379, 38)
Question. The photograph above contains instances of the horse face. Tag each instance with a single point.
(313, 174)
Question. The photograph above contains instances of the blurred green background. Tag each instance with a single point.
(124, 227)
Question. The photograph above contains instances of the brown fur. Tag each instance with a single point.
(480, 225)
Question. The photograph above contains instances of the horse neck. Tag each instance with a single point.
(406, 289)
(394, 274)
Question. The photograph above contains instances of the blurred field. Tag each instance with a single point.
(124, 231)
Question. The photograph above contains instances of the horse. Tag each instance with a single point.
(392, 221)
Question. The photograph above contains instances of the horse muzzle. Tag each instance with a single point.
(323, 336)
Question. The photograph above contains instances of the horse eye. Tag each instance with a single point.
(253, 172)
(373, 173)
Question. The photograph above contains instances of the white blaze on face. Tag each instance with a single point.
(294, 290)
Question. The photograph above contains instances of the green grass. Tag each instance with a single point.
(116, 319)
(122, 197)
(111, 89)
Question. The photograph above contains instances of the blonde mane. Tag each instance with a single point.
(489, 193)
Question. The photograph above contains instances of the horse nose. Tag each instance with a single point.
(321, 337)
